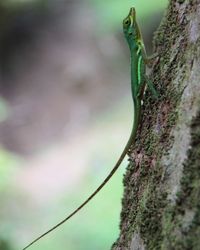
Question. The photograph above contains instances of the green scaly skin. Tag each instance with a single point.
(138, 83)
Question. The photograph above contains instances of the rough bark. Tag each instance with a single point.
(161, 203)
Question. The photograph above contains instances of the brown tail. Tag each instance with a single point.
(123, 154)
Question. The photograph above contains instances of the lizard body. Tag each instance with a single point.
(138, 82)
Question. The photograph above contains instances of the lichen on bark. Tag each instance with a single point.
(161, 203)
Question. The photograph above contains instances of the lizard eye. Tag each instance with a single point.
(127, 22)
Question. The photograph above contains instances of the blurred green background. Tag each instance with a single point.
(65, 116)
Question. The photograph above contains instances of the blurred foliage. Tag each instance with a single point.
(18, 22)
(13, 3)
(8, 164)
(95, 227)
(112, 12)
(10, 8)
(8, 169)
(109, 12)
(4, 245)
(4, 109)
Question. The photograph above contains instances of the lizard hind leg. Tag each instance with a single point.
(150, 59)
(151, 87)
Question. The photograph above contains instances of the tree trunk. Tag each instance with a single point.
(161, 203)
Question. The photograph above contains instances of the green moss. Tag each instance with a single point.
(146, 209)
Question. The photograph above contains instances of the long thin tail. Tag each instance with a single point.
(130, 141)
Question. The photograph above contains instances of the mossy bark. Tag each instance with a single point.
(161, 203)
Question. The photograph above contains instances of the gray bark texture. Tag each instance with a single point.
(161, 202)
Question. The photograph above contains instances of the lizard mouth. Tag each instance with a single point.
(132, 12)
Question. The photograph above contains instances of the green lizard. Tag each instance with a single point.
(138, 83)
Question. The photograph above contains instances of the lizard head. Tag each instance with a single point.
(131, 29)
